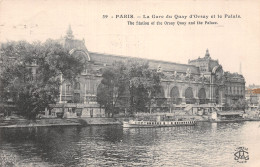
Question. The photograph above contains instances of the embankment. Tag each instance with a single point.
(16, 123)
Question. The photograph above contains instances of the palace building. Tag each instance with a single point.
(201, 81)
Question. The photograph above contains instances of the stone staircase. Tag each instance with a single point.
(188, 107)
(216, 109)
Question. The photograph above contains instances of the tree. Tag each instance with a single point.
(241, 104)
(144, 85)
(103, 97)
(129, 85)
(227, 106)
(30, 74)
(112, 87)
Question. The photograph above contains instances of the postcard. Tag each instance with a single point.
(130, 83)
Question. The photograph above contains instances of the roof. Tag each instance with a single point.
(154, 64)
(108, 59)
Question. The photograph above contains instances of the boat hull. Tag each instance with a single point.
(140, 124)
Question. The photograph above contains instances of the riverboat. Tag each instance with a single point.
(137, 124)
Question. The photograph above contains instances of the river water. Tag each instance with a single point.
(206, 144)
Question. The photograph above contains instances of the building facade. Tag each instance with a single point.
(252, 95)
(201, 81)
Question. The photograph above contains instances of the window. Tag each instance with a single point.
(77, 86)
(76, 97)
(68, 87)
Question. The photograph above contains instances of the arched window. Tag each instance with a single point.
(174, 94)
(202, 96)
(189, 96)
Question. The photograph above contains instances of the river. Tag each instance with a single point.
(206, 144)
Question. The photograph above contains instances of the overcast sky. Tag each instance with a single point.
(231, 41)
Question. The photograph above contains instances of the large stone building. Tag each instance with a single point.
(201, 81)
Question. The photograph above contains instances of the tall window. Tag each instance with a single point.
(76, 97)
(77, 86)
(202, 96)
(68, 87)
(189, 96)
(175, 95)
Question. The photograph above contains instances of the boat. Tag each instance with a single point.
(141, 123)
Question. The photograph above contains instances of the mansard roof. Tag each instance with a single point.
(108, 59)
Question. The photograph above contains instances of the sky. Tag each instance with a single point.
(233, 41)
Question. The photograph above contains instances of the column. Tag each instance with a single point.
(65, 99)
(181, 95)
(196, 95)
(60, 87)
(85, 97)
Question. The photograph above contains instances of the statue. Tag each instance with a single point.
(182, 77)
(159, 69)
(196, 78)
(188, 72)
(202, 78)
(175, 74)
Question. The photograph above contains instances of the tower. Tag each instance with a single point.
(240, 69)
(207, 53)
(69, 33)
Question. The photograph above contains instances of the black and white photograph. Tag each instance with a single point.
(96, 83)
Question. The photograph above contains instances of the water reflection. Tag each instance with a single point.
(203, 145)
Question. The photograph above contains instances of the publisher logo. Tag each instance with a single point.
(241, 154)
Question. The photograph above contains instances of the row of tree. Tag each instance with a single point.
(131, 85)
(29, 75)
(30, 79)
(240, 104)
